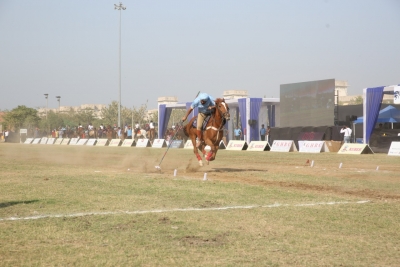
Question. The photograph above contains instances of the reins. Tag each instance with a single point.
(215, 120)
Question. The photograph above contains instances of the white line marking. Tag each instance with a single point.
(81, 214)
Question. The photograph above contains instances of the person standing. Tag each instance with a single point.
(152, 131)
(129, 132)
(263, 132)
(204, 104)
(347, 133)
(6, 134)
(237, 133)
(119, 133)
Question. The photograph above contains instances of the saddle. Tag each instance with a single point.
(203, 127)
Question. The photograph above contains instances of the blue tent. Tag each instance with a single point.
(388, 114)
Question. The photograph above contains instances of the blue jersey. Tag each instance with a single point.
(237, 132)
(210, 101)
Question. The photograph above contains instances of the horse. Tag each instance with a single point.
(110, 133)
(93, 133)
(140, 134)
(152, 134)
(213, 133)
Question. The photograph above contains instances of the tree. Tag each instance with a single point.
(356, 100)
(54, 120)
(128, 116)
(176, 116)
(140, 115)
(85, 116)
(110, 114)
(22, 117)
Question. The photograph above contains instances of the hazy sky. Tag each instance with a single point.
(179, 47)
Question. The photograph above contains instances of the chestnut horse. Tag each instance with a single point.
(213, 133)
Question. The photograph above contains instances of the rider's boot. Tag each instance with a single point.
(199, 138)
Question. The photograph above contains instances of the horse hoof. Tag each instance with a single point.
(201, 163)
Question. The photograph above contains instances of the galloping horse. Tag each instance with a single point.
(213, 133)
(152, 134)
(140, 134)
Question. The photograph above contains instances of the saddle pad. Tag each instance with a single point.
(204, 123)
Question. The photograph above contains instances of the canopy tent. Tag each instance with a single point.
(249, 110)
(388, 114)
(372, 99)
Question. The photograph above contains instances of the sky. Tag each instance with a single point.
(179, 47)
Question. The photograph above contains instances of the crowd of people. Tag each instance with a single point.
(88, 131)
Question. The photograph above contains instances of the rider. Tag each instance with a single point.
(204, 103)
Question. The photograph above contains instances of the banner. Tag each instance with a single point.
(36, 141)
(188, 144)
(143, 143)
(128, 142)
(394, 149)
(102, 142)
(258, 146)
(221, 146)
(73, 141)
(283, 146)
(28, 140)
(50, 141)
(177, 144)
(81, 142)
(333, 146)
(355, 149)
(237, 145)
(58, 141)
(114, 142)
(65, 141)
(312, 147)
(159, 143)
(91, 142)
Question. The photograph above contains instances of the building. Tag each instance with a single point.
(96, 108)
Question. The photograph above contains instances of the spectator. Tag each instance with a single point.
(347, 134)
(119, 133)
(6, 134)
(263, 132)
(238, 133)
(129, 132)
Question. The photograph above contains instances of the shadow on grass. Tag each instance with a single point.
(12, 203)
(237, 170)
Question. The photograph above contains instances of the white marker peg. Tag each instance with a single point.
(377, 168)
(340, 165)
(312, 163)
(205, 177)
(175, 171)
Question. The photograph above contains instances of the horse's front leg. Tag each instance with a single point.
(196, 151)
(211, 154)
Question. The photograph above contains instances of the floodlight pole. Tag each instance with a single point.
(47, 103)
(59, 105)
(119, 7)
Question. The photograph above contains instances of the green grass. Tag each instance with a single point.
(174, 221)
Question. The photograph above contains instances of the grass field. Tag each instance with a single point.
(109, 206)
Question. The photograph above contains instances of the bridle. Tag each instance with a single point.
(223, 116)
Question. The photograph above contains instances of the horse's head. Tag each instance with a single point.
(222, 108)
